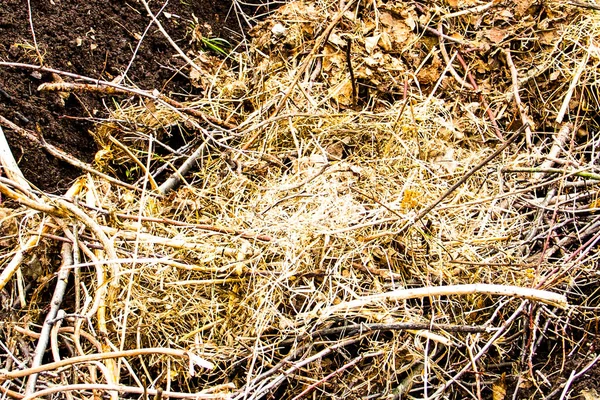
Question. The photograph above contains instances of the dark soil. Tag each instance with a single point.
(97, 39)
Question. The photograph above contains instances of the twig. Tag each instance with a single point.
(110, 88)
(176, 178)
(472, 10)
(583, 174)
(37, 50)
(559, 141)
(65, 329)
(125, 389)
(274, 383)
(356, 360)
(470, 346)
(575, 375)
(172, 42)
(155, 95)
(543, 296)
(580, 234)
(574, 83)
(444, 36)
(133, 157)
(455, 186)
(193, 359)
(483, 350)
(525, 119)
(63, 209)
(32, 242)
(57, 298)
(458, 78)
(137, 48)
(61, 155)
(352, 329)
(583, 4)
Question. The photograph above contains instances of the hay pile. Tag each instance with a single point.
(360, 219)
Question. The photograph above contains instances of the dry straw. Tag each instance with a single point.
(295, 258)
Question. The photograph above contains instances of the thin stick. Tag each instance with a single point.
(155, 95)
(275, 382)
(120, 145)
(172, 42)
(481, 352)
(542, 296)
(125, 389)
(57, 298)
(472, 10)
(559, 141)
(37, 50)
(137, 48)
(574, 83)
(193, 358)
(401, 326)
(177, 177)
(525, 118)
(113, 89)
(458, 78)
(574, 376)
(583, 174)
(61, 155)
(62, 209)
(32, 242)
(311, 388)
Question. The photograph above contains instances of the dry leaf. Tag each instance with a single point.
(496, 35)
(342, 93)
(371, 43)
(499, 389)
(384, 42)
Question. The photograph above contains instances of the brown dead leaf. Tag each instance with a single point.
(342, 93)
(333, 58)
(522, 7)
(432, 72)
(496, 35)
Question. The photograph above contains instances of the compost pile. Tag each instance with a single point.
(367, 199)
